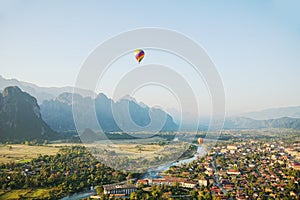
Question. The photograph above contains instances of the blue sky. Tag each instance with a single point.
(254, 44)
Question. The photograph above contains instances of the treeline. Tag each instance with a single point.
(72, 169)
(170, 192)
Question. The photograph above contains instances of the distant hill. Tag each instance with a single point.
(40, 93)
(58, 113)
(20, 117)
(89, 136)
(248, 123)
(189, 120)
(274, 113)
(56, 110)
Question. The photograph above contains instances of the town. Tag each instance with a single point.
(236, 169)
(244, 166)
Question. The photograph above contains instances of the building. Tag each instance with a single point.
(295, 165)
(202, 182)
(142, 181)
(215, 189)
(169, 181)
(188, 184)
(232, 147)
(113, 189)
(233, 172)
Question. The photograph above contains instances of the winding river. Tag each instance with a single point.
(79, 196)
(151, 173)
(154, 172)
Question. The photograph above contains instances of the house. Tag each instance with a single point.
(142, 181)
(233, 172)
(295, 165)
(209, 173)
(228, 186)
(251, 165)
(232, 147)
(202, 182)
(215, 189)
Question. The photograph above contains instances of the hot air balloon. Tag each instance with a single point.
(200, 140)
(139, 55)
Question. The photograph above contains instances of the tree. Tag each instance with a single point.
(99, 189)
(193, 194)
(133, 196)
(156, 193)
(207, 196)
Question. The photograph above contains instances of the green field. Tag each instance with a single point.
(24, 153)
(26, 194)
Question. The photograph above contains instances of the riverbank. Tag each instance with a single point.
(154, 172)
(80, 195)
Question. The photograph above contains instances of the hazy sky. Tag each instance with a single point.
(254, 44)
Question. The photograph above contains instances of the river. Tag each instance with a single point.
(154, 172)
(79, 196)
(151, 173)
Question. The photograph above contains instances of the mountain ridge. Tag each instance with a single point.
(20, 117)
(58, 113)
(273, 113)
(248, 123)
(286, 116)
(40, 93)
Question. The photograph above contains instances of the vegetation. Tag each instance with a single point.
(71, 170)
(57, 170)
(24, 153)
(139, 156)
(170, 192)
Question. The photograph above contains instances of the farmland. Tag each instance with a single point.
(24, 153)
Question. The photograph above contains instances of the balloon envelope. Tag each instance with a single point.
(200, 140)
(139, 55)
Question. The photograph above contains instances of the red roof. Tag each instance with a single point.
(142, 181)
(215, 189)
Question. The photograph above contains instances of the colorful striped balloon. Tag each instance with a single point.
(139, 55)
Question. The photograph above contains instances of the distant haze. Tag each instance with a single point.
(274, 113)
(255, 46)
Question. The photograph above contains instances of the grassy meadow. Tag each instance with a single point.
(26, 194)
(24, 153)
